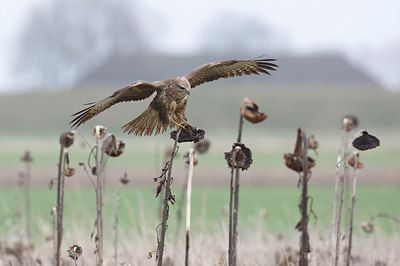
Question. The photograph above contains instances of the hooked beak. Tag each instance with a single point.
(188, 91)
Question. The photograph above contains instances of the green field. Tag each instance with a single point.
(139, 207)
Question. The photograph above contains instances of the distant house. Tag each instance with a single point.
(293, 70)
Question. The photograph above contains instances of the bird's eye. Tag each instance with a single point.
(183, 88)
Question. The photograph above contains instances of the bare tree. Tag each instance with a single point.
(64, 39)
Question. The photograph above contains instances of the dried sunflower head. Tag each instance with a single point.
(349, 122)
(352, 161)
(243, 158)
(296, 162)
(69, 172)
(124, 179)
(249, 110)
(75, 251)
(67, 138)
(202, 146)
(27, 157)
(368, 227)
(189, 134)
(366, 142)
(99, 132)
(312, 143)
(112, 147)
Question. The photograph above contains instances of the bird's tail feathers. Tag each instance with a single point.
(145, 124)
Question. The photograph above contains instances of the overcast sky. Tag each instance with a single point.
(360, 29)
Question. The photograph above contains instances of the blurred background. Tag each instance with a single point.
(336, 58)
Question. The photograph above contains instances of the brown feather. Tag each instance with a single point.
(145, 123)
(136, 91)
(225, 69)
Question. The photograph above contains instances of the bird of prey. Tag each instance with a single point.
(168, 106)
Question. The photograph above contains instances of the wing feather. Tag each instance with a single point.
(231, 68)
(136, 91)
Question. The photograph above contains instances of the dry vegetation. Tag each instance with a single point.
(227, 243)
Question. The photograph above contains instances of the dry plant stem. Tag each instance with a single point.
(235, 217)
(236, 198)
(304, 239)
(117, 202)
(58, 208)
(342, 183)
(353, 202)
(188, 204)
(230, 250)
(335, 194)
(99, 205)
(27, 185)
(160, 248)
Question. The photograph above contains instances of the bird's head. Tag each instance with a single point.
(183, 85)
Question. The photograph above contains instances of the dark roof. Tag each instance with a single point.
(322, 68)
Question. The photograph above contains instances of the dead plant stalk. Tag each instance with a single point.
(160, 248)
(60, 188)
(188, 203)
(335, 194)
(304, 239)
(117, 203)
(233, 217)
(353, 202)
(27, 189)
(342, 187)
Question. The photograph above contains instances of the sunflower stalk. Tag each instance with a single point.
(188, 203)
(338, 176)
(233, 230)
(353, 202)
(59, 209)
(343, 181)
(304, 239)
(160, 248)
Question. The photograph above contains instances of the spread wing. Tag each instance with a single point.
(225, 69)
(136, 91)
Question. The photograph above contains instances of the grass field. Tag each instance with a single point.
(209, 205)
(139, 218)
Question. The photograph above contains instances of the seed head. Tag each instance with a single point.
(202, 146)
(112, 147)
(67, 138)
(295, 162)
(27, 157)
(349, 122)
(312, 143)
(352, 161)
(75, 251)
(189, 134)
(249, 110)
(368, 227)
(243, 158)
(99, 132)
(366, 142)
(124, 179)
(69, 172)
